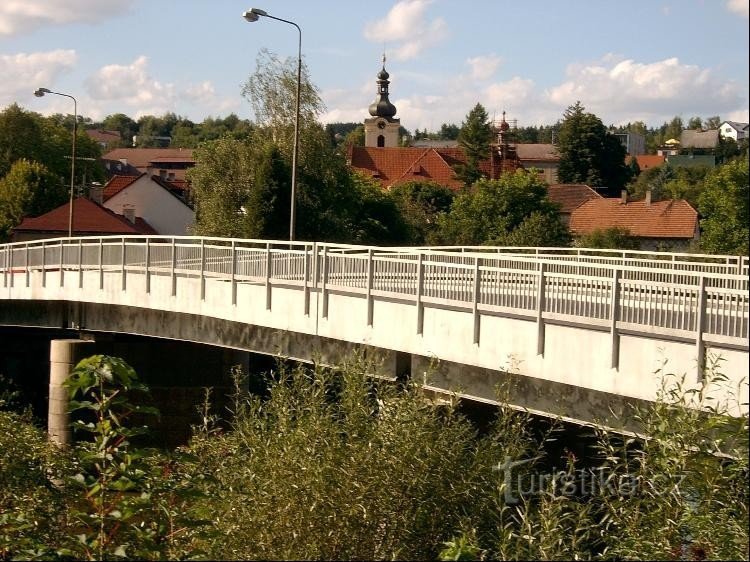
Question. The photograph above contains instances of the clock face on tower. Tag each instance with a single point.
(381, 124)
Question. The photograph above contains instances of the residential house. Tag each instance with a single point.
(733, 130)
(105, 138)
(634, 143)
(669, 148)
(699, 141)
(167, 163)
(662, 225)
(647, 161)
(89, 219)
(397, 165)
(691, 160)
(543, 157)
(159, 202)
(570, 196)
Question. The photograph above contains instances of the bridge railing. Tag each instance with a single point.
(673, 292)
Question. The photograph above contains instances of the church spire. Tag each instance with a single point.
(382, 107)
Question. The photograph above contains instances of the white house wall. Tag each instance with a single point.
(159, 208)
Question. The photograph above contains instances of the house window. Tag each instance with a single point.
(381, 141)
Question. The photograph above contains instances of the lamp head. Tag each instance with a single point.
(41, 91)
(253, 14)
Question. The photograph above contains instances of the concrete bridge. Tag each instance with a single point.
(576, 333)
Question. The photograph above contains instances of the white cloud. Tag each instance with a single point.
(407, 25)
(131, 85)
(19, 16)
(620, 89)
(483, 67)
(617, 90)
(23, 73)
(741, 7)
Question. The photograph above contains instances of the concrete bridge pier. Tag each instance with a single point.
(63, 357)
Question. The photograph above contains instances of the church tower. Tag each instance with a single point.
(381, 129)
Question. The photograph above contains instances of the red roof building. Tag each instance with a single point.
(570, 195)
(89, 219)
(168, 163)
(673, 222)
(646, 161)
(392, 166)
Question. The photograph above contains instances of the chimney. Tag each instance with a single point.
(96, 194)
(648, 198)
(129, 213)
(623, 196)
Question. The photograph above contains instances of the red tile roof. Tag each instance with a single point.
(103, 135)
(570, 195)
(395, 165)
(646, 161)
(674, 218)
(117, 184)
(544, 152)
(88, 219)
(141, 157)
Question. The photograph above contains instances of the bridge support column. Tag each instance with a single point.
(63, 357)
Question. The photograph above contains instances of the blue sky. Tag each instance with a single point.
(641, 60)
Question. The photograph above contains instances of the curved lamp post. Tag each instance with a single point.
(40, 93)
(253, 15)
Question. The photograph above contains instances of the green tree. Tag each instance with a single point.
(355, 137)
(695, 123)
(449, 131)
(491, 210)
(241, 189)
(272, 91)
(421, 203)
(126, 126)
(615, 237)
(474, 137)
(589, 153)
(712, 122)
(724, 208)
(21, 136)
(28, 189)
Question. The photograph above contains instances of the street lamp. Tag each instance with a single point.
(253, 15)
(40, 93)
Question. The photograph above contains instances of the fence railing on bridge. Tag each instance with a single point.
(703, 295)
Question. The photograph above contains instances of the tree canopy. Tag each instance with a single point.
(724, 206)
(474, 137)
(512, 210)
(589, 153)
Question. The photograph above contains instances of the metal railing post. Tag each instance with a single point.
(700, 323)
(475, 300)
(324, 281)
(148, 266)
(28, 273)
(174, 267)
(101, 264)
(269, 266)
(10, 266)
(307, 284)
(80, 263)
(62, 261)
(203, 269)
(44, 264)
(6, 251)
(540, 294)
(614, 310)
(420, 292)
(234, 274)
(122, 266)
(370, 275)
